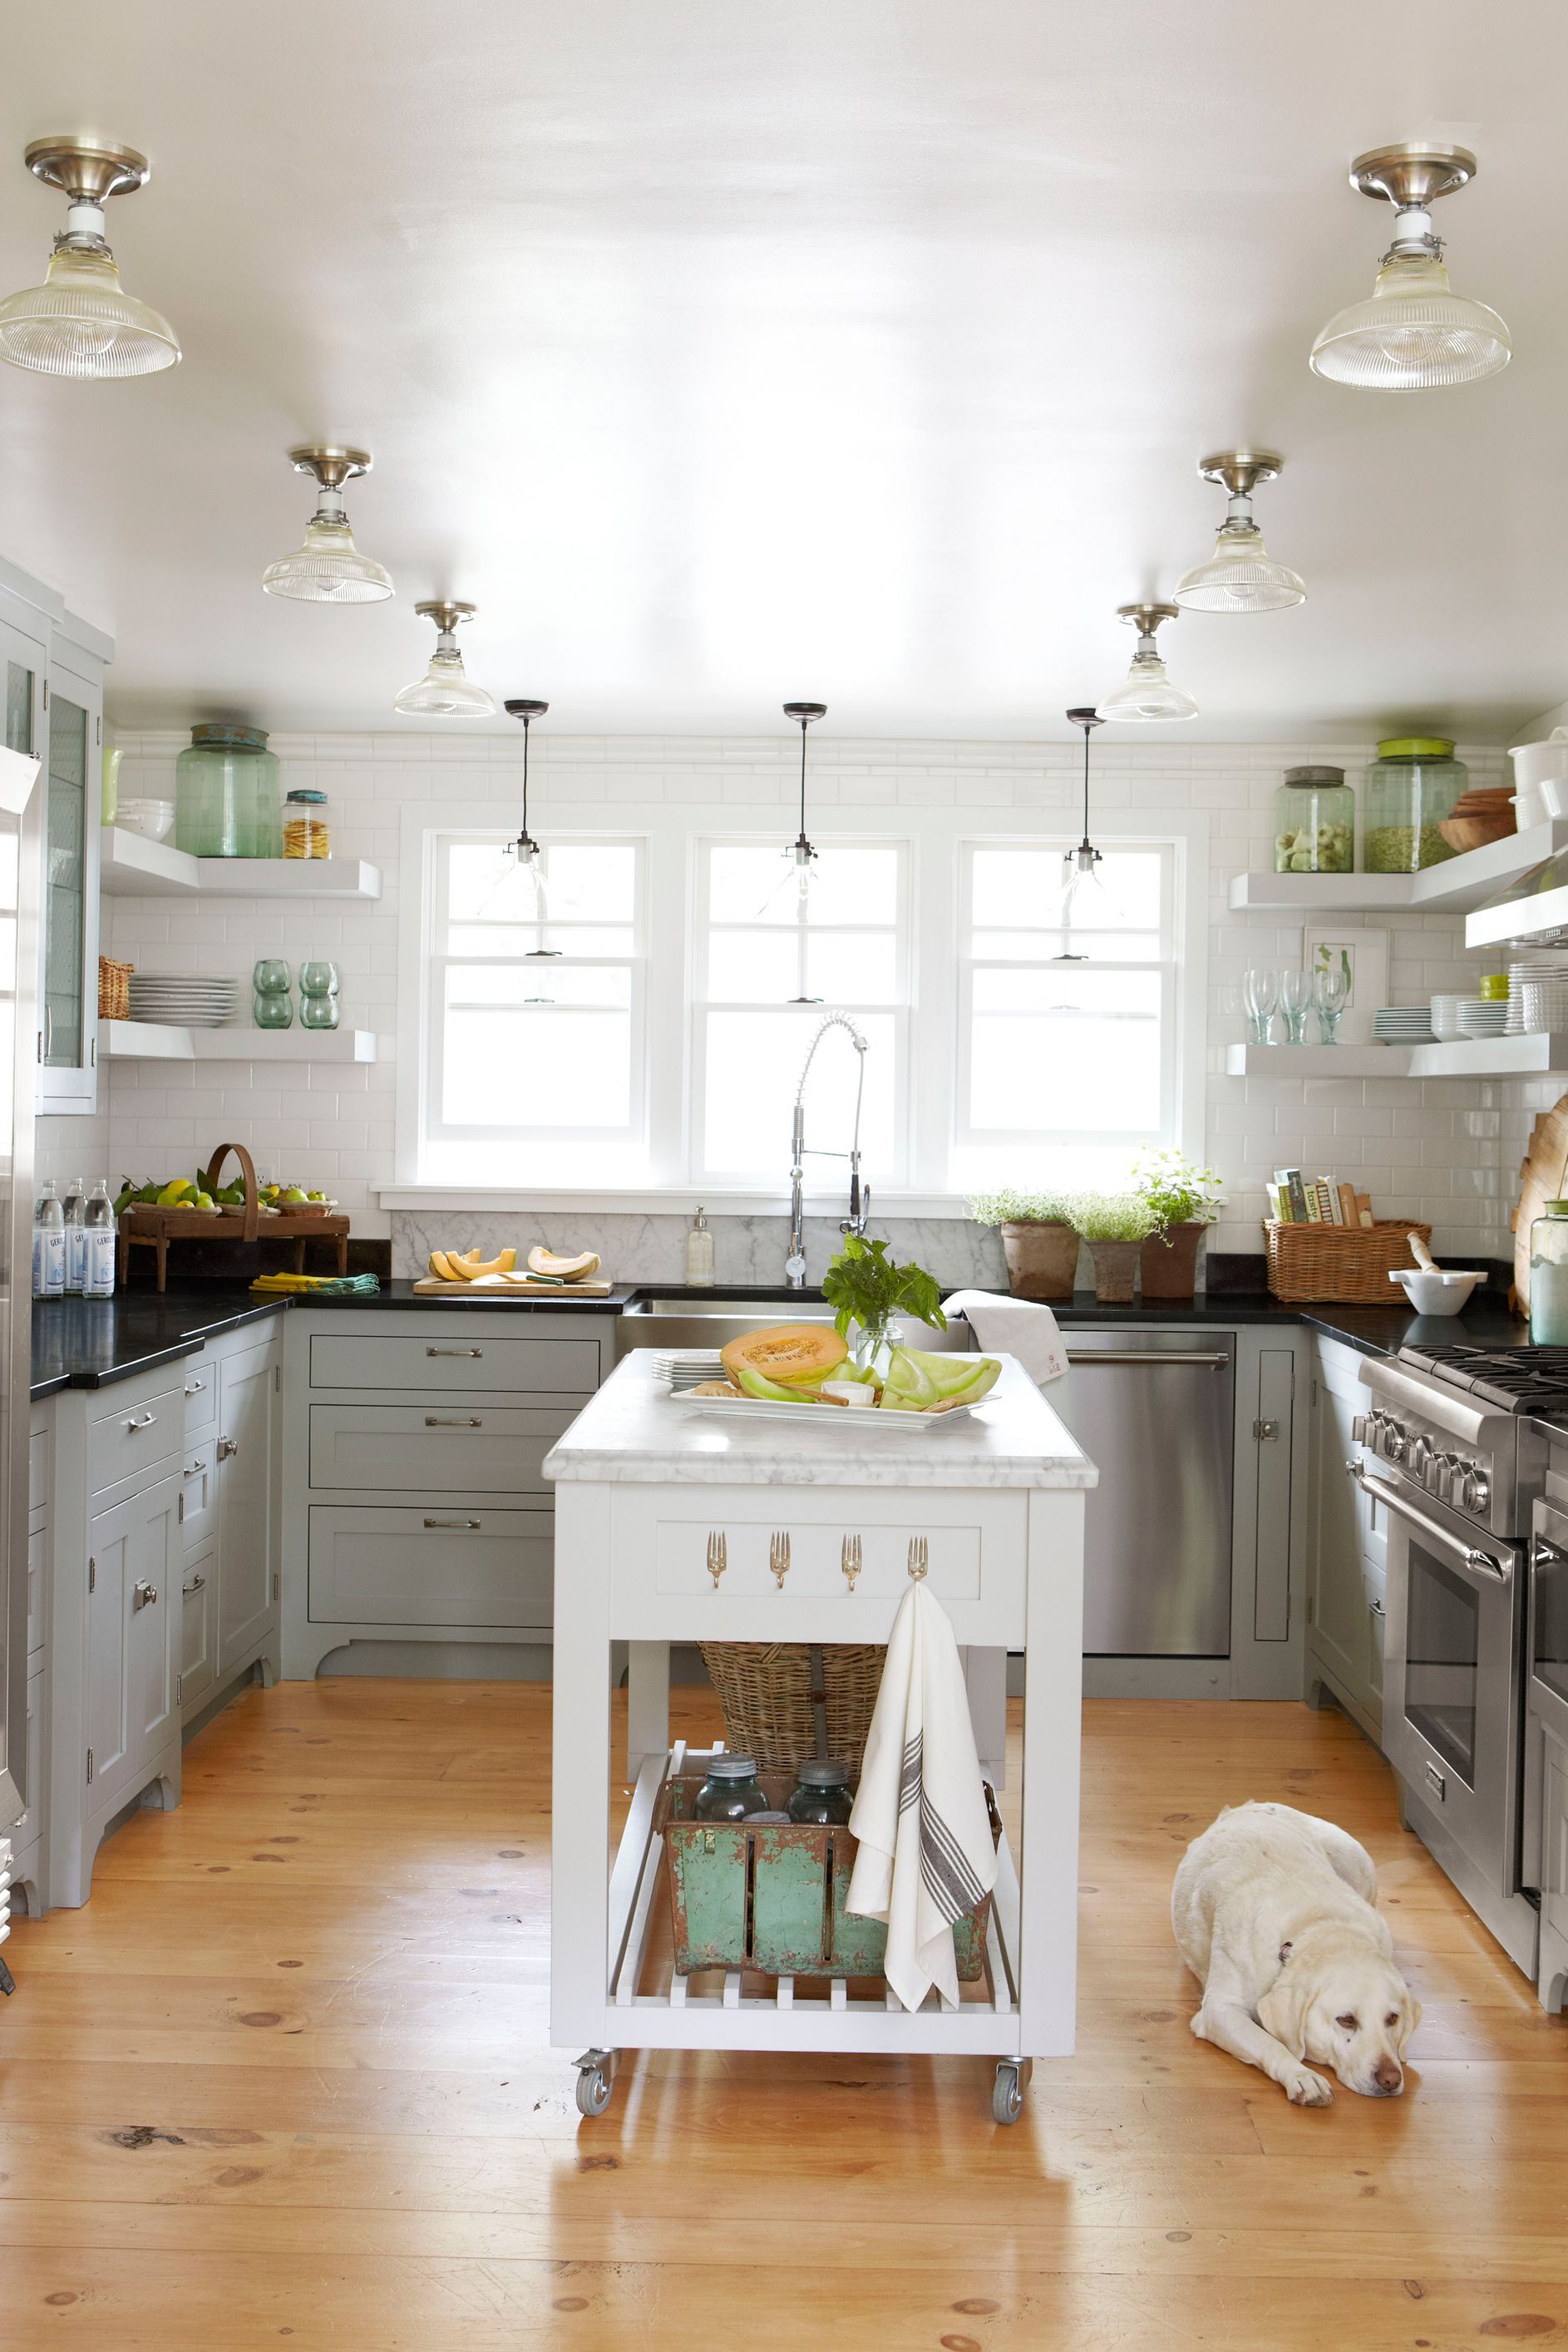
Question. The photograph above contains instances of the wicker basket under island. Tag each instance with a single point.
(1348, 1263)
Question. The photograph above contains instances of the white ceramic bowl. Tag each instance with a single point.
(1534, 762)
(154, 820)
(1435, 1294)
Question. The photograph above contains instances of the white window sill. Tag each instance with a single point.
(675, 1200)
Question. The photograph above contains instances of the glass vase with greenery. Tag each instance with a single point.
(867, 1289)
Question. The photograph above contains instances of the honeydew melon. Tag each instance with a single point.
(562, 1269)
(757, 1385)
(793, 1355)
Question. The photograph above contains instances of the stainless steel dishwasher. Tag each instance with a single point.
(1155, 1410)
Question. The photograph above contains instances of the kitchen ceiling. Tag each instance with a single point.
(721, 354)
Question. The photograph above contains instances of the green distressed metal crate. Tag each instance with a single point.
(772, 1898)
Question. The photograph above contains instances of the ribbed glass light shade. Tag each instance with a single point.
(1148, 694)
(79, 323)
(328, 570)
(1241, 576)
(1413, 335)
(444, 692)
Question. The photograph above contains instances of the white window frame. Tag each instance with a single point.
(700, 1004)
(669, 880)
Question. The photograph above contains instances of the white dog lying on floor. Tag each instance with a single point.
(1273, 1913)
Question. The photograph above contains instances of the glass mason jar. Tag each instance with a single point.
(1549, 1277)
(1411, 787)
(306, 826)
(731, 1792)
(226, 796)
(821, 1792)
(1314, 823)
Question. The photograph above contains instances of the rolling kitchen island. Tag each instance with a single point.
(666, 1520)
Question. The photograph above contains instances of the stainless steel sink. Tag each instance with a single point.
(659, 1322)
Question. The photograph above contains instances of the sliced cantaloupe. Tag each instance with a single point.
(794, 1354)
(562, 1269)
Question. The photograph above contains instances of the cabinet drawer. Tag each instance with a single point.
(38, 1587)
(198, 1492)
(462, 1449)
(198, 1628)
(38, 1469)
(517, 1365)
(125, 1437)
(438, 1568)
(201, 1395)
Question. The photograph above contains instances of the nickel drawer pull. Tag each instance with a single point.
(1151, 1357)
(475, 1353)
(778, 1557)
(718, 1556)
(140, 1420)
(228, 1447)
(453, 1421)
(467, 1525)
(194, 1388)
(197, 1584)
(195, 1469)
(850, 1559)
(143, 1595)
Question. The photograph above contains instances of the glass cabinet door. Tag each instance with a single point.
(69, 993)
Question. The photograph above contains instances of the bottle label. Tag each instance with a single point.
(54, 1241)
(76, 1258)
(39, 1284)
(98, 1279)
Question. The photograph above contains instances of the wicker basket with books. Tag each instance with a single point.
(1348, 1263)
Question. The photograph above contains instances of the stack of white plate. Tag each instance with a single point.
(184, 1000)
(1483, 1016)
(1402, 1024)
(1542, 963)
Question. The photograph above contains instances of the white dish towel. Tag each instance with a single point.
(1022, 1328)
(926, 1853)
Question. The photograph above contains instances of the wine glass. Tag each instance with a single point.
(1331, 994)
(1260, 996)
(1295, 1003)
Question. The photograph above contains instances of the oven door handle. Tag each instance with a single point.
(1483, 1563)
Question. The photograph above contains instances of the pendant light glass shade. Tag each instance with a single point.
(1414, 333)
(1241, 576)
(80, 321)
(1148, 694)
(445, 691)
(329, 568)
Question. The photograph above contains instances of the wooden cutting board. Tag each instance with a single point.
(1543, 1176)
(499, 1286)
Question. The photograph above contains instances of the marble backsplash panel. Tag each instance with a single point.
(653, 1248)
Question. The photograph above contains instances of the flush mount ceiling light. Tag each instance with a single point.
(1413, 332)
(1241, 576)
(1148, 693)
(329, 568)
(525, 849)
(445, 691)
(79, 323)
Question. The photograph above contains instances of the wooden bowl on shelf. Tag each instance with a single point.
(1462, 832)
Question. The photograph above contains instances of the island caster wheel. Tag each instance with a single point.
(1007, 2091)
(596, 2081)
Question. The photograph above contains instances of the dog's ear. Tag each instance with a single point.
(1285, 1952)
(1282, 2011)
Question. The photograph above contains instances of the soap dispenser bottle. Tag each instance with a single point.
(699, 1254)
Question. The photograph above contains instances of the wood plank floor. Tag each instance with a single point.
(285, 2082)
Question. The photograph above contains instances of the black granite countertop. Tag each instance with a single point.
(90, 1343)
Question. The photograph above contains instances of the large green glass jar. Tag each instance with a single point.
(1411, 787)
(228, 802)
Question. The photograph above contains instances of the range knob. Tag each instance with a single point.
(1418, 1457)
(1472, 1488)
(1392, 1439)
(1434, 1471)
(1359, 1426)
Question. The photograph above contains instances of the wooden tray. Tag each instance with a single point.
(156, 1228)
(500, 1285)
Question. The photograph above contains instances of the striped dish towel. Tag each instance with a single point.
(926, 1854)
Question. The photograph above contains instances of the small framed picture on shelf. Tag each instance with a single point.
(1363, 956)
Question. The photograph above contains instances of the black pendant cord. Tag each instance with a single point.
(802, 843)
(1085, 844)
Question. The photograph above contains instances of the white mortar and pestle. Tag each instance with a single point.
(1429, 1289)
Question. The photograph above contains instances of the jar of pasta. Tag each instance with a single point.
(306, 826)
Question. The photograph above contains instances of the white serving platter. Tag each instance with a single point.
(858, 1416)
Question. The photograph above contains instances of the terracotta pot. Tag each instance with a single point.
(1170, 1265)
(1115, 1270)
(1042, 1259)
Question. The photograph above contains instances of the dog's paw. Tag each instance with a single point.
(1195, 2025)
(1305, 2089)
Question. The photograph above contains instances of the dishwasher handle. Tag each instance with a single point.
(1147, 1356)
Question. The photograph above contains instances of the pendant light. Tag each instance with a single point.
(803, 853)
(445, 691)
(329, 568)
(1148, 693)
(1082, 891)
(525, 849)
(1413, 332)
(79, 323)
(1241, 576)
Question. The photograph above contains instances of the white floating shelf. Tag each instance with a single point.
(132, 865)
(151, 1041)
(1533, 917)
(1536, 1057)
(1457, 884)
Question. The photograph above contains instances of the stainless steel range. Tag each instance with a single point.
(1457, 1443)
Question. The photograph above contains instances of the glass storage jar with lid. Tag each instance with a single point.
(731, 1792)
(1314, 823)
(226, 794)
(821, 1794)
(1549, 1277)
(1411, 787)
(306, 826)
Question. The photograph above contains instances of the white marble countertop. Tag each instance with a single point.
(633, 1433)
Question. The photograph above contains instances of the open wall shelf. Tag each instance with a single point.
(1536, 1057)
(1453, 888)
(151, 1041)
(132, 867)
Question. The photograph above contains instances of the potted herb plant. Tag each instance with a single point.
(868, 1289)
(1185, 1199)
(1039, 1238)
(1115, 1225)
